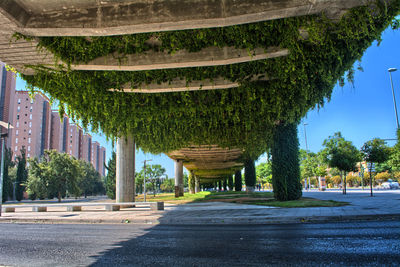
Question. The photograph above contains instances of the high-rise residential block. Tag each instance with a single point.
(59, 132)
(37, 128)
(86, 147)
(95, 153)
(73, 140)
(7, 91)
(32, 119)
(102, 161)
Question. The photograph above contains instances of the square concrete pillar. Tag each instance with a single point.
(125, 170)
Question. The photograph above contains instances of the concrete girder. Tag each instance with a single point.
(100, 18)
(211, 56)
(209, 159)
(178, 85)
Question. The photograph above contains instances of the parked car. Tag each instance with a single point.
(390, 185)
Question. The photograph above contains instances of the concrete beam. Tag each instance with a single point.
(181, 86)
(125, 170)
(100, 18)
(211, 56)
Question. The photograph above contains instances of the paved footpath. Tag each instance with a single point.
(383, 205)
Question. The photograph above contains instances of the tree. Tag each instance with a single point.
(38, 179)
(341, 154)
(375, 151)
(168, 185)
(7, 183)
(264, 172)
(110, 177)
(311, 164)
(62, 173)
(90, 181)
(394, 159)
(22, 175)
(153, 174)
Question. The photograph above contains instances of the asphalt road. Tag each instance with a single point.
(348, 244)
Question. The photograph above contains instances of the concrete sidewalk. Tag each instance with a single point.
(384, 205)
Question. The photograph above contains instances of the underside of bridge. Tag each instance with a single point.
(211, 83)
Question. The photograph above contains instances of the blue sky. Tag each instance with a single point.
(360, 113)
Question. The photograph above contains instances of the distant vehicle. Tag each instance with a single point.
(390, 185)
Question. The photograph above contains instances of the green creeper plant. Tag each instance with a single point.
(285, 163)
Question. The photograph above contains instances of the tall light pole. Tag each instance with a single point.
(305, 135)
(3, 143)
(144, 179)
(390, 70)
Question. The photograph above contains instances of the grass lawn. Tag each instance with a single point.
(256, 198)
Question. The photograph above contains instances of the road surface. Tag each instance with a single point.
(355, 244)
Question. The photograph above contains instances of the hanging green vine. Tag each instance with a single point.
(243, 117)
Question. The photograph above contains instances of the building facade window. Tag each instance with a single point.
(29, 155)
(16, 148)
(18, 108)
(16, 140)
(29, 140)
(17, 124)
(16, 132)
(29, 148)
(30, 109)
(30, 124)
(17, 117)
(19, 100)
(30, 131)
(30, 116)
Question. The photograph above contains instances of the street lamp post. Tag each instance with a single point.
(144, 180)
(390, 70)
(3, 137)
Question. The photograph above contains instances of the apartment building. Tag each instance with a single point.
(32, 120)
(37, 128)
(102, 161)
(95, 153)
(73, 140)
(59, 132)
(7, 91)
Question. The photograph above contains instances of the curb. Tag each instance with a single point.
(214, 221)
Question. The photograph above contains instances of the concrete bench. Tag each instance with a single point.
(78, 207)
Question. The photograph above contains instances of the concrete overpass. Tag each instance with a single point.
(89, 18)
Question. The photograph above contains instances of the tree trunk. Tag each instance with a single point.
(59, 196)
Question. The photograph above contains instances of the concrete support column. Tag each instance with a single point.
(178, 178)
(125, 170)
(196, 184)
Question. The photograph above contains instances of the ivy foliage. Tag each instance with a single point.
(243, 117)
(285, 163)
